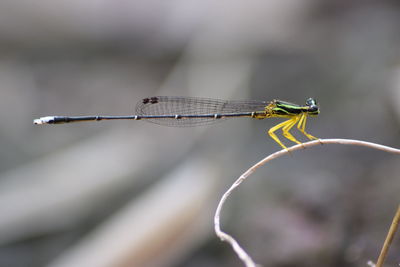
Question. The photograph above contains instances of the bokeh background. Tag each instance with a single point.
(130, 193)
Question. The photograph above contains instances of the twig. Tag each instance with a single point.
(228, 238)
(389, 238)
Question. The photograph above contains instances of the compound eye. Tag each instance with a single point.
(311, 102)
(313, 108)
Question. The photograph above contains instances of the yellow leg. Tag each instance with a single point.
(286, 129)
(277, 127)
(302, 126)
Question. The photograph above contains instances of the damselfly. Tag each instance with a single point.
(194, 111)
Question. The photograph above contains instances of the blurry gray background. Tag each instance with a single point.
(130, 193)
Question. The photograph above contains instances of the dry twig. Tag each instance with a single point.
(235, 245)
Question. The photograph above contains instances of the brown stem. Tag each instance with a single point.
(389, 238)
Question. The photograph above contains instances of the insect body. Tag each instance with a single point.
(194, 111)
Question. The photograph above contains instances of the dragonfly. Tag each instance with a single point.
(178, 111)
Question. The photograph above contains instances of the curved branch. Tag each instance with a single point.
(228, 238)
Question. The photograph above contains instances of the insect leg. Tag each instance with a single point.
(277, 127)
(302, 125)
(286, 129)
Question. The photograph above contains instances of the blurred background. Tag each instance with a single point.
(131, 193)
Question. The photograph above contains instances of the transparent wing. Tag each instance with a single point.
(170, 105)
